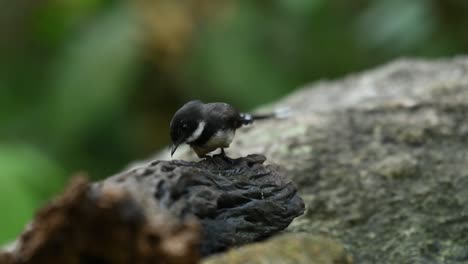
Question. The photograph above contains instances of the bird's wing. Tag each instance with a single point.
(224, 113)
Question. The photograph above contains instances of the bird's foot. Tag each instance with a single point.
(221, 155)
(204, 156)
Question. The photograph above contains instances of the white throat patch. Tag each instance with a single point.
(197, 133)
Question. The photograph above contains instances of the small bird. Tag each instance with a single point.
(206, 127)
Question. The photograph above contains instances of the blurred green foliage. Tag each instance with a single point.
(89, 85)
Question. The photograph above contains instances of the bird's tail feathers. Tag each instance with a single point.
(280, 113)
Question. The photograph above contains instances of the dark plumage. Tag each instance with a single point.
(207, 127)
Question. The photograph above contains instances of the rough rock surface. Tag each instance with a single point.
(236, 200)
(93, 225)
(286, 249)
(380, 158)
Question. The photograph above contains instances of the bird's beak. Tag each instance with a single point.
(174, 148)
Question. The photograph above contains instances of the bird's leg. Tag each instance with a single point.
(225, 157)
(200, 154)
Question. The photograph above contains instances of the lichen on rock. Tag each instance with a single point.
(287, 249)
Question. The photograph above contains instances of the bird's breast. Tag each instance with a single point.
(221, 139)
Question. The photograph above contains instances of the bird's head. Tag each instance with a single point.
(187, 124)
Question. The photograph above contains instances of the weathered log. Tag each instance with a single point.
(236, 200)
(156, 212)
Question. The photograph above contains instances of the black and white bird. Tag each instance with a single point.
(206, 127)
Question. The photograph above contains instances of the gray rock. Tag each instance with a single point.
(380, 158)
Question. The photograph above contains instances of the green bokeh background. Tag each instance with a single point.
(90, 85)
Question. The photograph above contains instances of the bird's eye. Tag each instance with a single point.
(184, 126)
